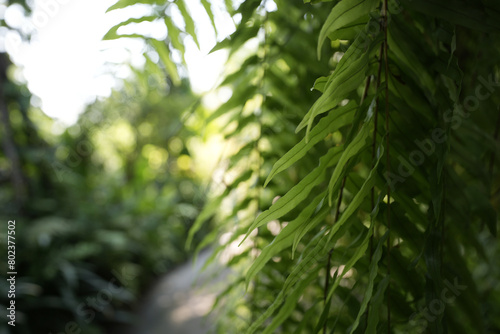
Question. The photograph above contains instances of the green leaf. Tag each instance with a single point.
(280, 298)
(210, 13)
(360, 252)
(351, 30)
(337, 91)
(348, 75)
(236, 39)
(229, 6)
(376, 304)
(174, 36)
(316, 250)
(298, 193)
(242, 93)
(283, 239)
(408, 59)
(312, 253)
(371, 279)
(335, 120)
(208, 240)
(320, 84)
(125, 3)
(290, 303)
(245, 72)
(164, 53)
(309, 314)
(112, 33)
(343, 13)
(188, 20)
(358, 198)
(246, 9)
(304, 228)
(208, 211)
(353, 148)
(337, 276)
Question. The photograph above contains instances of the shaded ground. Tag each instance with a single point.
(179, 302)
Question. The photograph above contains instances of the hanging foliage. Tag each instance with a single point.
(369, 204)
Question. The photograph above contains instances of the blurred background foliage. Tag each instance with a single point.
(109, 200)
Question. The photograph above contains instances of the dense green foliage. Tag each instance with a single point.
(360, 178)
(102, 209)
(388, 179)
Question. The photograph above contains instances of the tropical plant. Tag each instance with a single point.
(389, 182)
(369, 204)
(373, 206)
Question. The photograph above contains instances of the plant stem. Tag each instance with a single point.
(388, 163)
(328, 262)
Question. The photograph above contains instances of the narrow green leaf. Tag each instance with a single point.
(208, 211)
(128, 36)
(351, 30)
(453, 46)
(221, 295)
(408, 59)
(316, 250)
(208, 240)
(360, 252)
(335, 120)
(371, 279)
(174, 35)
(298, 193)
(343, 13)
(278, 301)
(358, 242)
(236, 39)
(112, 33)
(289, 306)
(246, 9)
(125, 3)
(229, 6)
(164, 53)
(350, 151)
(210, 13)
(242, 93)
(245, 72)
(320, 84)
(188, 20)
(312, 253)
(304, 228)
(283, 239)
(373, 317)
(348, 75)
(358, 198)
(221, 247)
(310, 314)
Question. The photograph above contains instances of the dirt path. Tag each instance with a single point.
(179, 302)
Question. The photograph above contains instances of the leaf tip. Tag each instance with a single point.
(245, 238)
(269, 178)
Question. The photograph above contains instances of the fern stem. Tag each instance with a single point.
(327, 283)
(328, 262)
(374, 145)
(374, 141)
(388, 164)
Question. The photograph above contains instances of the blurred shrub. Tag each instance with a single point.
(109, 202)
